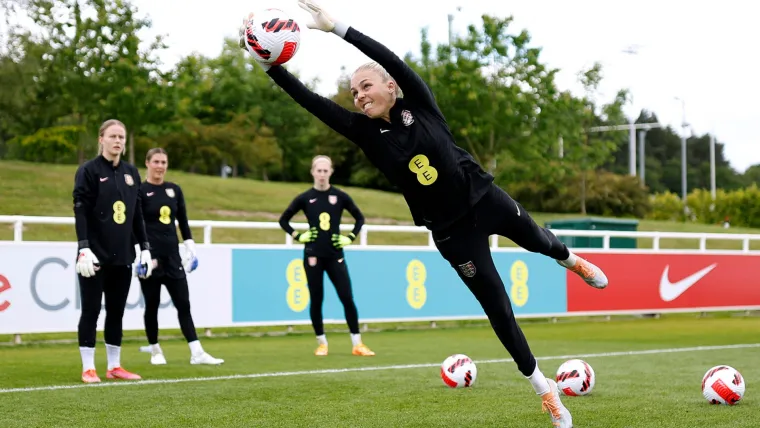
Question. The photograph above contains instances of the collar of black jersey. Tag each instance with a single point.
(109, 163)
(326, 191)
(396, 110)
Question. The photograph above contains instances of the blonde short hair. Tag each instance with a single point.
(320, 157)
(380, 70)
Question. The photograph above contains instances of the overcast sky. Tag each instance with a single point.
(699, 51)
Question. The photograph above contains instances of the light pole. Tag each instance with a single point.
(712, 166)
(642, 158)
(684, 125)
(451, 27)
(631, 127)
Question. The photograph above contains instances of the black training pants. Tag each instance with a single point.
(114, 282)
(337, 271)
(465, 245)
(180, 294)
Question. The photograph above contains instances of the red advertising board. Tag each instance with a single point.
(668, 281)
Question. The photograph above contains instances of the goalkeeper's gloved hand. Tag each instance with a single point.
(241, 32)
(308, 236)
(145, 266)
(139, 270)
(321, 19)
(190, 261)
(87, 263)
(242, 40)
(340, 241)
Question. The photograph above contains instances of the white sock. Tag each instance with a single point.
(356, 339)
(156, 349)
(570, 261)
(195, 347)
(88, 358)
(322, 339)
(113, 353)
(538, 381)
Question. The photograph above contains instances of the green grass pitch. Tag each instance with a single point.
(648, 375)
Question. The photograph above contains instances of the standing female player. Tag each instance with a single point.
(409, 141)
(323, 205)
(163, 203)
(107, 213)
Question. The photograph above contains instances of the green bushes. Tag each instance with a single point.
(606, 194)
(58, 144)
(666, 206)
(741, 207)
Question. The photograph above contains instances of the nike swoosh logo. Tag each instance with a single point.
(670, 291)
(311, 201)
(149, 194)
(383, 131)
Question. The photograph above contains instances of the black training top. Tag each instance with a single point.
(323, 210)
(416, 151)
(108, 211)
(162, 205)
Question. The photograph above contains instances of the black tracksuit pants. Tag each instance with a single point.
(465, 245)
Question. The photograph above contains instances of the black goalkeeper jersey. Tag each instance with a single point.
(163, 207)
(323, 210)
(107, 211)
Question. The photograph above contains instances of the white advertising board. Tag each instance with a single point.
(39, 291)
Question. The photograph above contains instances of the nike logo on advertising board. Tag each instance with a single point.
(670, 291)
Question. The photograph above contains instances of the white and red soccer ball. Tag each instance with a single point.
(575, 377)
(723, 385)
(458, 371)
(272, 37)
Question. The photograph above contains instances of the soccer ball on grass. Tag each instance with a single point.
(458, 371)
(723, 385)
(575, 377)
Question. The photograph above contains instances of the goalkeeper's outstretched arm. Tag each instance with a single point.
(333, 115)
(409, 81)
(415, 89)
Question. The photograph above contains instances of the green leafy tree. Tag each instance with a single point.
(134, 93)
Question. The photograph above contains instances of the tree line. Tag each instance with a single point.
(85, 61)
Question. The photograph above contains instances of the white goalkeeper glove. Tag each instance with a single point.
(139, 269)
(145, 267)
(244, 45)
(321, 20)
(190, 261)
(87, 263)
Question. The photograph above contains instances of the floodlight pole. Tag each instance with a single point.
(631, 127)
(712, 166)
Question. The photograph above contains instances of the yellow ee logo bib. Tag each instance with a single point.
(426, 174)
(165, 215)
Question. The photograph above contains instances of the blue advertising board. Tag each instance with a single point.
(269, 285)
